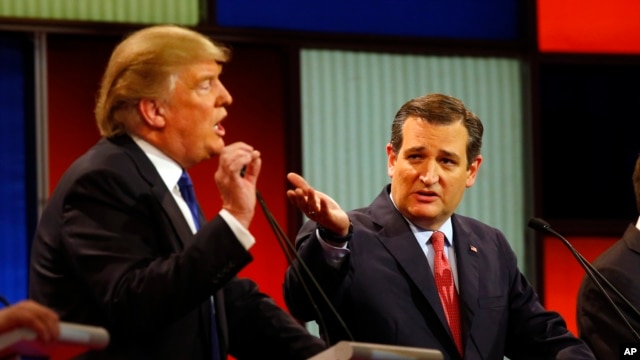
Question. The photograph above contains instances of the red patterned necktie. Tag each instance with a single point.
(446, 288)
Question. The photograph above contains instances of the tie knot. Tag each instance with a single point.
(186, 190)
(185, 180)
(437, 240)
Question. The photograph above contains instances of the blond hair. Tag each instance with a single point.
(143, 66)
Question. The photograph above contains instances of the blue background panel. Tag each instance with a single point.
(452, 19)
(13, 192)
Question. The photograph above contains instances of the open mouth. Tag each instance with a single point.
(219, 129)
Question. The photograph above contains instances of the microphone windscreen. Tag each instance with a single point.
(539, 224)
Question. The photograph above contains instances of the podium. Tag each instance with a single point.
(74, 340)
(349, 350)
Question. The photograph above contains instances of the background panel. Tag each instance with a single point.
(455, 19)
(185, 12)
(591, 26)
(349, 100)
(588, 141)
(17, 188)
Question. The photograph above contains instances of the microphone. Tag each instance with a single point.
(289, 249)
(541, 225)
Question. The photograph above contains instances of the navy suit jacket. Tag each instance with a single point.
(599, 325)
(112, 249)
(385, 291)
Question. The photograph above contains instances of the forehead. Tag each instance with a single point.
(419, 132)
(199, 71)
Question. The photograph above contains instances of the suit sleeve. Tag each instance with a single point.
(599, 324)
(253, 318)
(121, 242)
(534, 332)
(328, 277)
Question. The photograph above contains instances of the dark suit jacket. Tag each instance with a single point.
(112, 249)
(385, 291)
(599, 325)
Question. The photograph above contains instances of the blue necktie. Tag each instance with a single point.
(189, 196)
(186, 190)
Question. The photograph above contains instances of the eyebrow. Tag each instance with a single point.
(423, 148)
(200, 79)
(416, 149)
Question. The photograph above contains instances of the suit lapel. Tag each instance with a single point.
(631, 238)
(398, 239)
(467, 245)
(158, 188)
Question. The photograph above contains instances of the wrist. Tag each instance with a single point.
(333, 238)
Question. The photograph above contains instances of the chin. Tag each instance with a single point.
(425, 213)
(216, 148)
(214, 153)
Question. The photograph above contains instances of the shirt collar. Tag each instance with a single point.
(169, 170)
(446, 228)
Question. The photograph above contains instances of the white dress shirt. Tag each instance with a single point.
(170, 172)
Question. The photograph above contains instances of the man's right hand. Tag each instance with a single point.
(237, 174)
(318, 206)
(30, 314)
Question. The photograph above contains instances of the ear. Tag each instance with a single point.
(152, 112)
(391, 160)
(472, 172)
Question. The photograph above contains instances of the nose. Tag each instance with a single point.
(430, 175)
(224, 98)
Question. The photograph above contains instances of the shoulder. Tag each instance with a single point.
(462, 222)
(116, 153)
(472, 232)
(109, 165)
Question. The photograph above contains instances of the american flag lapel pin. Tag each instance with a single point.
(473, 248)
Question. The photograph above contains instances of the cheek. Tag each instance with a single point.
(402, 181)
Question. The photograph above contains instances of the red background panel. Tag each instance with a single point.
(589, 26)
(255, 78)
(562, 274)
(74, 69)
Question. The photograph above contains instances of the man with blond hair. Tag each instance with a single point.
(122, 242)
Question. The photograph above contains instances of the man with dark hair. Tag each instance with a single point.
(599, 325)
(407, 270)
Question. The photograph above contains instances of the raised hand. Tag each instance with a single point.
(318, 206)
(236, 178)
